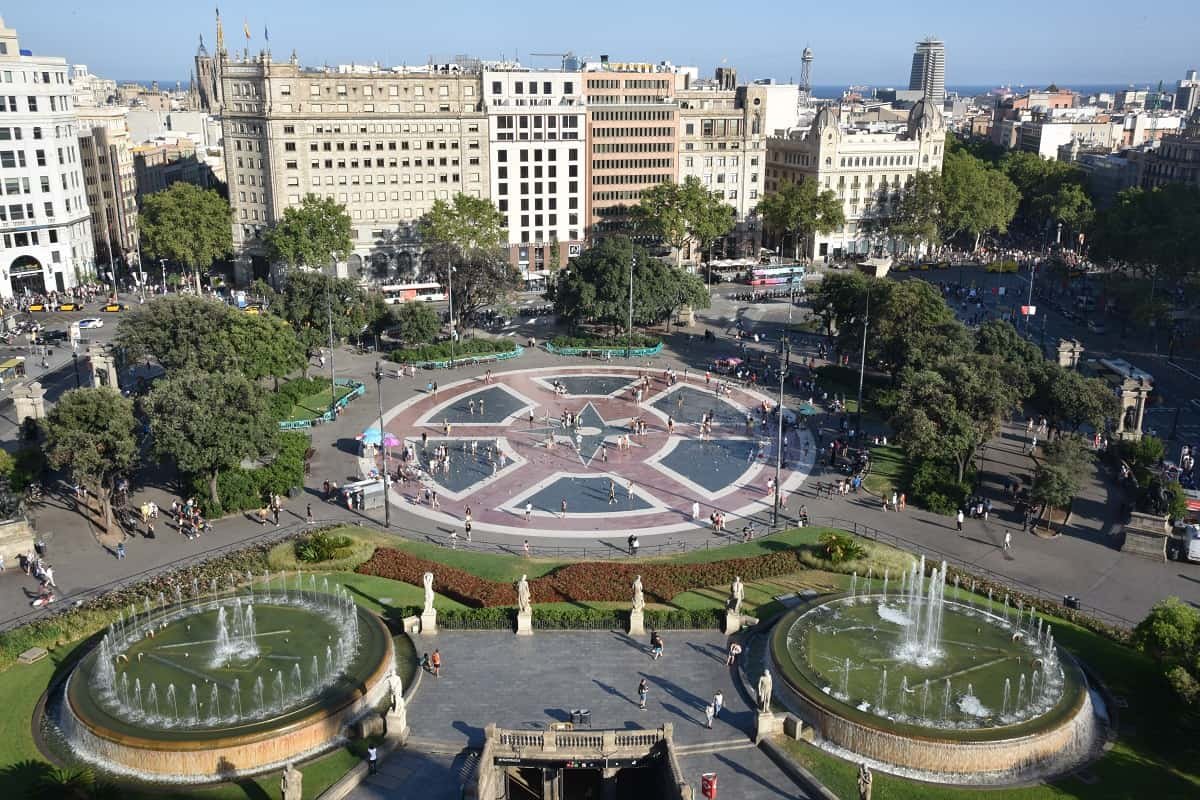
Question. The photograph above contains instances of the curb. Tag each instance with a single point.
(799, 775)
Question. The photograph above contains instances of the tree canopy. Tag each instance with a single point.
(416, 323)
(209, 422)
(679, 213)
(311, 300)
(92, 433)
(919, 216)
(314, 234)
(187, 225)
(978, 199)
(801, 210)
(1157, 231)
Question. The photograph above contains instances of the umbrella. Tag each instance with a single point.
(390, 441)
(369, 436)
(807, 410)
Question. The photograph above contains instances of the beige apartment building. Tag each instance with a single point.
(386, 143)
(632, 135)
(109, 178)
(867, 170)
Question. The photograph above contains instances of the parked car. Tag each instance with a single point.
(112, 307)
(54, 336)
(91, 322)
(71, 307)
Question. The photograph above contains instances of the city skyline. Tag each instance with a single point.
(878, 53)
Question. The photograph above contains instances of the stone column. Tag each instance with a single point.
(104, 367)
(29, 401)
(767, 723)
(637, 626)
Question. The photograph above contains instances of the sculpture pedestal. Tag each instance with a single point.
(767, 724)
(637, 625)
(397, 723)
(524, 624)
(429, 622)
(733, 622)
(1146, 536)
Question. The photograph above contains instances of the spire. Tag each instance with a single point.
(220, 34)
(201, 51)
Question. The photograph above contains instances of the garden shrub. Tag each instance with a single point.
(840, 548)
(593, 341)
(936, 488)
(292, 392)
(444, 351)
(243, 489)
(320, 547)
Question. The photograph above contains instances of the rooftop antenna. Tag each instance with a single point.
(804, 96)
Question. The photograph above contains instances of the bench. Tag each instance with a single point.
(32, 655)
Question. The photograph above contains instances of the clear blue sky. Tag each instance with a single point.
(1023, 41)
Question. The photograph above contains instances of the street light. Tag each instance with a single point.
(332, 383)
(75, 363)
(387, 507)
(862, 367)
(784, 362)
(629, 334)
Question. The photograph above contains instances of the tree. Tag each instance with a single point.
(416, 323)
(467, 236)
(179, 332)
(679, 213)
(187, 225)
(802, 210)
(314, 234)
(93, 434)
(1156, 231)
(1057, 478)
(978, 199)
(312, 301)
(1069, 400)
(1170, 634)
(263, 346)
(917, 217)
(209, 422)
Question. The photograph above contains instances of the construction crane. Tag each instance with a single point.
(567, 56)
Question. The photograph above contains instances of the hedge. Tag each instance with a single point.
(293, 392)
(446, 350)
(605, 342)
(590, 581)
(505, 617)
(243, 489)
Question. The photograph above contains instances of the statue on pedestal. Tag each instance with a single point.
(524, 603)
(765, 684)
(639, 600)
(737, 593)
(396, 686)
(291, 783)
(864, 782)
(427, 579)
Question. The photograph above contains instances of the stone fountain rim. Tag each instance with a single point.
(965, 737)
(200, 742)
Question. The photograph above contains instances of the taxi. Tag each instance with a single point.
(255, 308)
(37, 307)
(71, 307)
(112, 307)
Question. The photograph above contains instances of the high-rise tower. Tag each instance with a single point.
(806, 60)
(929, 70)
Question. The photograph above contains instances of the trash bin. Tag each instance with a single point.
(708, 785)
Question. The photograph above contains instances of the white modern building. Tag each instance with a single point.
(45, 227)
(928, 73)
(536, 125)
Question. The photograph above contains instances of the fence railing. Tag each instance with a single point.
(605, 352)
(357, 389)
(468, 361)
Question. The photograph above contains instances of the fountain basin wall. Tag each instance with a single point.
(239, 749)
(1001, 754)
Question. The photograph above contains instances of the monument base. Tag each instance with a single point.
(767, 724)
(1146, 536)
(397, 724)
(733, 622)
(429, 622)
(637, 624)
(524, 624)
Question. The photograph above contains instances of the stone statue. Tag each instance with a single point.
(864, 782)
(396, 686)
(524, 605)
(291, 783)
(737, 594)
(765, 685)
(427, 579)
(639, 600)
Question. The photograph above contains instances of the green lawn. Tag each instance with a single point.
(888, 468)
(316, 404)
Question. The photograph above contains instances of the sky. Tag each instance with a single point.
(867, 42)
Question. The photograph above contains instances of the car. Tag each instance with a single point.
(54, 336)
(113, 307)
(91, 322)
(71, 307)
(255, 308)
(37, 307)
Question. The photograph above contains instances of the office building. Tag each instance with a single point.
(632, 135)
(45, 227)
(1176, 159)
(386, 143)
(929, 70)
(866, 169)
(110, 181)
(536, 124)
(1187, 92)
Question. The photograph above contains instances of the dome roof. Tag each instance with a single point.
(826, 118)
(924, 118)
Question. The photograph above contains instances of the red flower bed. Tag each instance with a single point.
(587, 581)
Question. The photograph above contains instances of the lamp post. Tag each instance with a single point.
(162, 262)
(332, 383)
(450, 301)
(629, 331)
(387, 506)
(75, 364)
(784, 362)
(862, 366)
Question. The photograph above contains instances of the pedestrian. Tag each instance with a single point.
(1008, 540)
(436, 662)
(150, 528)
(895, 501)
(308, 514)
(959, 520)
(1, 562)
(48, 576)
(903, 501)
(525, 547)
(629, 542)
(563, 509)
(656, 646)
(634, 546)
(528, 511)
(612, 492)
(695, 510)
(120, 550)
(709, 713)
(642, 690)
(275, 513)
(735, 650)
(718, 703)
(372, 759)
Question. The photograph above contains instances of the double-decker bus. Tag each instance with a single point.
(408, 292)
(775, 276)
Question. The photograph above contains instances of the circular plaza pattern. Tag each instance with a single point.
(508, 447)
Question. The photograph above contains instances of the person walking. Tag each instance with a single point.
(562, 512)
(695, 510)
(150, 528)
(959, 520)
(1007, 540)
(372, 759)
(120, 550)
(612, 492)
(629, 542)
(709, 713)
(642, 690)
(275, 513)
(718, 703)
(308, 517)
(525, 547)
(633, 547)
(656, 646)
(528, 511)
(435, 661)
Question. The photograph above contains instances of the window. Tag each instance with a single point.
(33, 104)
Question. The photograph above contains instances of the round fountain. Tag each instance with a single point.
(932, 688)
(225, 683)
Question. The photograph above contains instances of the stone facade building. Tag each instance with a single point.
(45, 228)
(866, 170)
(1176, 159)
(110, 179)
(386, 143)
(537, 150)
